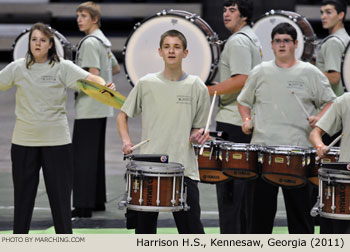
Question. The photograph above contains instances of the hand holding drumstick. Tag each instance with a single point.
(323, 149)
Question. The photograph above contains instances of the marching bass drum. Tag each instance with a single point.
(141, 48)
(345, 67)
(264, 25)
(20, 46)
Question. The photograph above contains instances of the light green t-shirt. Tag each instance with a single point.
(278, 117)
(330, 54)
(170, 109)
(241, 53)
(336, 118)
(95, 54)
(40, 100)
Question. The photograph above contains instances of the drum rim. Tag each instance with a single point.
(304, 150)
(342, 67)
(334, 215)
(161, 168)
(212, 71)
(155, 208)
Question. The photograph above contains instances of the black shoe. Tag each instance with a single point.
(82, 212)
(99, 207)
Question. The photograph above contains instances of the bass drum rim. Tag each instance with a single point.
(63, 46)
(306, 39)
(211, 40)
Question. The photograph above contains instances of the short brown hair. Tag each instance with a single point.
(93, 9)
(173, 33)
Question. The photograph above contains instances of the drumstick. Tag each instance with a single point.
(208, 121)
(331, 145)
(301, 105)
(139, 145)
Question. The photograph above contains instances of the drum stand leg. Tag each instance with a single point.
(158, 190)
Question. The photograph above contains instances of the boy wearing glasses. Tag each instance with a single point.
(279, 120)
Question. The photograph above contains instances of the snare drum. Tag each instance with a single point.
(209, 164)
(264, 25)
(334, 194)
(142, 45)
(155, 187)
(331, 157)
(345, 66)
(20, 46)
(239, 160)
(285, 165)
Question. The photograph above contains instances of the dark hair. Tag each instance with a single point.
(339, 5)
(284, 28)
(52, 54)
(93, 9)
(245, 7)
(173, 33)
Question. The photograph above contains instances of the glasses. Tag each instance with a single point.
(279, 41)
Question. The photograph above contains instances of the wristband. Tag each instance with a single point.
(246, 119)
(319, 146)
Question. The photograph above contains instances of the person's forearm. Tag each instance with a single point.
(229, 86)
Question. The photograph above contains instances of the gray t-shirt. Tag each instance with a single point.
(278, 118)
(241, 53)
(170, 109)
(330, 54)
(95, 53)
(40, 100)
(336, 118)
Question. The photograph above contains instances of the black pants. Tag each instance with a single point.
(297, 203)
(331, 226)
(187, 222)
(234, 196)
(89, 185)
(57, 165)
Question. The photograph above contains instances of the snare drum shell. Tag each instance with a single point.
(335, 194)
(149, 187)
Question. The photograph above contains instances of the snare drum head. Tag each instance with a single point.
(263, 27)
(141, 48)
(20, 46)
(345, 68)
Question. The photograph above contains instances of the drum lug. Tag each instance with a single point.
(260, 157)
(270, 159)
(247, 155)
(227, 156)
(288, 160)
(304, 161)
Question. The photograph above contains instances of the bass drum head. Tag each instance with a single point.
(141, 48)
(263, 27)
(345, 68)
(20, 46)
